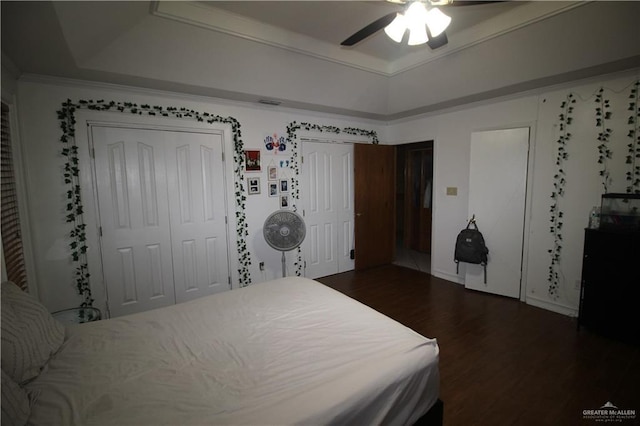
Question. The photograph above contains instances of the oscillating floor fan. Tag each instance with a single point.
(284, 230)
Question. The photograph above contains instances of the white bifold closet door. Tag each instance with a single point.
(161, 201)
(327, 194)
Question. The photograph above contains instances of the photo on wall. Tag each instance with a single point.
(272, 172)
(252, 160)
(284, 185)
(273, 189)
(254, 185)
(284, 201)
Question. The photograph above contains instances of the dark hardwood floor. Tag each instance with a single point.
(503, 362)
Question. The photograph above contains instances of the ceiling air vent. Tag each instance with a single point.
(269, 102)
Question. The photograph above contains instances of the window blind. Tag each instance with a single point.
(11, 235)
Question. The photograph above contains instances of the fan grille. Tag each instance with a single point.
(284, 230)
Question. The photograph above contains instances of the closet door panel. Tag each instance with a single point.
(134, 218)
(197, 206)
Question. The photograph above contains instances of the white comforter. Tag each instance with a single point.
(291, 351)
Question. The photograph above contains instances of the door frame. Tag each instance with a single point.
(86, 119)
(431, 144)
(408, 148)
(303, 180)
(528, 201)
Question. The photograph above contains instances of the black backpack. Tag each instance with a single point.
(470, 247)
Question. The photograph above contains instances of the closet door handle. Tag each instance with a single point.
(358, 214)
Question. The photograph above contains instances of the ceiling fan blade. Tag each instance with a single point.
(369, 30)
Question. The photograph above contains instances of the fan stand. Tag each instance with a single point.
(284, 231)
(284, 265)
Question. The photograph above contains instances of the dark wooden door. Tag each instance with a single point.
(374, 180)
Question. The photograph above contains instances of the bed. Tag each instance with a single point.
(289, 351)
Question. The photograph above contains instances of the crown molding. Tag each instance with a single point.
(219, 20)
(212, 18)
(200, 94)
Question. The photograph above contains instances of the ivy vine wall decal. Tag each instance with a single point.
(606, 158)
(74, 208)
(292, 137)
(559, 181)
(633, 156)
(603, 114)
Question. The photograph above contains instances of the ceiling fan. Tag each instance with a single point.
(425, 22)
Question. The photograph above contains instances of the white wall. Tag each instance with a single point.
(38, 101)
(451, 132)
(584, 184)
(8, 84)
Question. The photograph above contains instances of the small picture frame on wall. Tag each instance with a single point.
(252, 160)
(284, 186)
(272, 172)
(254, 185)
(284, 201)
(273, 189)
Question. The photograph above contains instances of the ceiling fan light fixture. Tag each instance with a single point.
(437, 21)
(418, 35)
(416, 19)
(396, 29)
(416, 16)
(416, 13)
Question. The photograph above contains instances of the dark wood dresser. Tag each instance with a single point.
(610, 290)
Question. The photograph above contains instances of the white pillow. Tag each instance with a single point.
(15, 403)
(30, 335)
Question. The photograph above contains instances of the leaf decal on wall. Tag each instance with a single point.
(559, 182)
(292, 139)
(633, 157)
(78, 243)
(603, 114)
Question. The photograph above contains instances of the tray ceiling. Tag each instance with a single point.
(290, 51)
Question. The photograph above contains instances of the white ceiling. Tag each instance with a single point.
(318, 27)
(290, 50)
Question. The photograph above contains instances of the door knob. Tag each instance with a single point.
(358, 214)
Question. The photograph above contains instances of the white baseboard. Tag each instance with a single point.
(551, 306)
(530, 300)
(447, 276)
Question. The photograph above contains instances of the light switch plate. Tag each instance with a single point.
(452, 190)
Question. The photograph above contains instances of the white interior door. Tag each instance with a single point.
(197, 211)
(131, 183)
(327, 193)
(161, 202)
(497, 194)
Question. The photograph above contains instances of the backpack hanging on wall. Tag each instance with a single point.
(470, 247)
